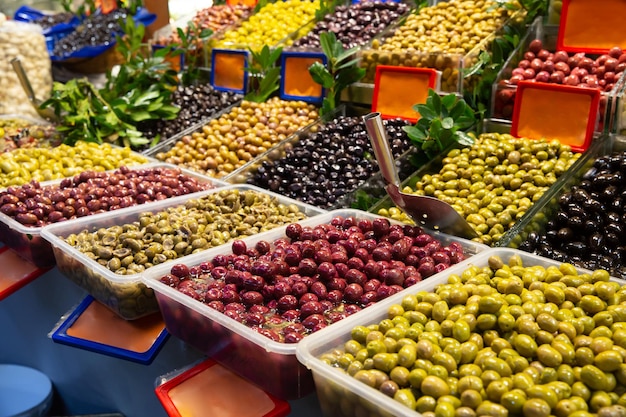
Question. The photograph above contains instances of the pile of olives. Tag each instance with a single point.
(24, 165)
(21, 133)
(498, 339)
(314, 275)
(588, 227)
(494, 182)
(49, 20)
(437, 37)
(199, 224)
(231, 140)
(272, 24)
(355, 24)
(96, 30)
(196, 102)
(324, 166)
(93, 192)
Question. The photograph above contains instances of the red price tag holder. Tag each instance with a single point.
(94, 327)
(210, 389)
(398, 89)
(16, 272)
(296, 82)
(229, 70)
(556, 111)
(591, 26)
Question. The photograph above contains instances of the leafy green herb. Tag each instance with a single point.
(484, 72)
(443, 121)
(340, 71)
(265, 74)
(191, 44)
(533, 8)
(327, 7)
(88, 117)
(140, 90)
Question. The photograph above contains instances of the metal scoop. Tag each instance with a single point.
(48, 113)
(428, 212)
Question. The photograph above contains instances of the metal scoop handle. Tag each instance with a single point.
(382, 151)
(21, 75)
(28, 89)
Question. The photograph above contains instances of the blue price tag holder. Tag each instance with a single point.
(93, 327)
(296, 82)
(229, 70)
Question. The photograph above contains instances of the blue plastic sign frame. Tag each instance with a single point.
(145, 358)
(246, 58)
(286, 55)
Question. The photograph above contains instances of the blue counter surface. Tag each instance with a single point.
(85, 382)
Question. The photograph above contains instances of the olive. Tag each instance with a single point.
(327, 164)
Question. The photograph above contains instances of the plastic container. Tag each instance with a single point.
(537, 217)
(616, 108)
(126, 295)
(24, 392)
(341, 395)
(503, 93)
(27, 241)
(362, 196)
(435, 165)
(450, 65)
(209, 389)
(167, 143)
(269, 364)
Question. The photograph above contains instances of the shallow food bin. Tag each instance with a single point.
(25, 239)
(574, 70)
(124, 292)
(586, 230)
(330, 164)
(268, 362)
(209, 389)
(24, 392)
(476, 180)
(342, 395)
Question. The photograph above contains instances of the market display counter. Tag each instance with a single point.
(85, 382)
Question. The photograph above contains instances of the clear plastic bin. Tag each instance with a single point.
(450, 65)
(27, 241)
(503, 93)
(269, 364)
(341, 395)
(126, 295)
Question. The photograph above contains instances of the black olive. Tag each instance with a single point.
(596, 241)
(565, 234)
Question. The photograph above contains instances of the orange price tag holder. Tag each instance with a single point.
(176, 61)
(591, 26)
(398, 89)
(296, 83)
(556, 111)
(209, 389)
(229, 70)
(16, 272)
(93, 326)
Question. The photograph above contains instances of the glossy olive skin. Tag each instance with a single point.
(325, 166)
(578, 370)
(588, 226)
